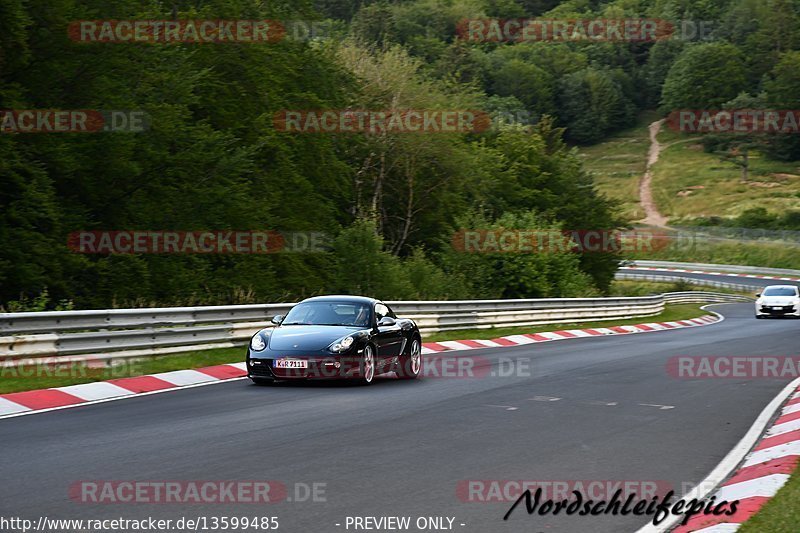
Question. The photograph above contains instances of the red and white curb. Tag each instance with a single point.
(711, 273)
(764, 471)
(752, 472)
(36, 401)
(531, 338)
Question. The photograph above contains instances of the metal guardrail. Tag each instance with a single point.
(59, 321)
(709, 267)
(704, 297)
(666, 278)
(110, 334)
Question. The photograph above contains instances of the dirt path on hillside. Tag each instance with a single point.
(652, 216)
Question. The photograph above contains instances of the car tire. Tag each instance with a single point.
(409, 366)
(760, 317)
(366, 369)
(262, 382)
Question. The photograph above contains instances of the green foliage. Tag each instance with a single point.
(782, 87)
(759, 218)
(40, 302)
(704, 76)
(364, 267)
(212, 158)
(544, 273)
(593, 105)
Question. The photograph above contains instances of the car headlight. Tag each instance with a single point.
(257, 343)
(342, 344)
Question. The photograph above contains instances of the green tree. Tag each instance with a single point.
(704, 76)
(591, 104)
(782, 88)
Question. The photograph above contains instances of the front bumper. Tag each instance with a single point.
(328, 366)
(779, 310)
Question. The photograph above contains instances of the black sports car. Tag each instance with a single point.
(350, 337)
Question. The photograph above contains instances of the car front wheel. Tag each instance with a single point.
(367, 368)
(411, 364)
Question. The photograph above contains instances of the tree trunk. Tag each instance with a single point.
(745, 166)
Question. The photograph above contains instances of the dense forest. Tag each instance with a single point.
(212, 158)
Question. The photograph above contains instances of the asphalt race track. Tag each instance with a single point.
(401, 448)
(738, 280)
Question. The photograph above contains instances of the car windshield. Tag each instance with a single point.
(780, 291)
(328, 314)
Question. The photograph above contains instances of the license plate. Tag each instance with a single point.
(290, 363)
(777, 308)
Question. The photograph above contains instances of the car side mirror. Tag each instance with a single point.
(277, 319)
(386, 321)
(758, 295)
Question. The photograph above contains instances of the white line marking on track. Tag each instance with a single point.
(662, 407)
(544, 399)
(506, 407)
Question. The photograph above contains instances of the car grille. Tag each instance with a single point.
(783, 309)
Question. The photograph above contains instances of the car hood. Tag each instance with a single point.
(307, 338)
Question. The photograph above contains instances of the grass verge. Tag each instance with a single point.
(763, 255)
(42, 377)
(689, 183)
(781, 514)
(645, 288)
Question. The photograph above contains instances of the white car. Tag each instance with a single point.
(778, 300)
